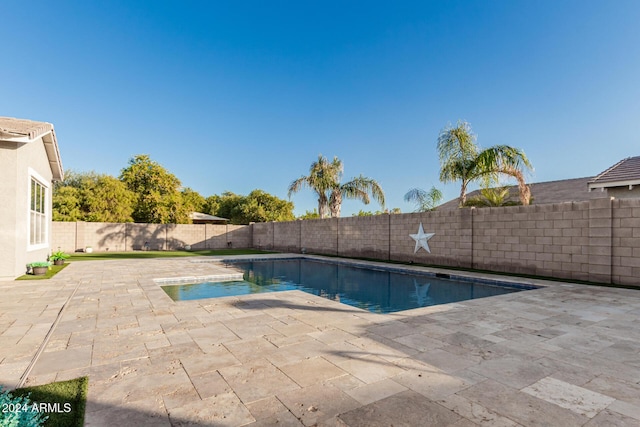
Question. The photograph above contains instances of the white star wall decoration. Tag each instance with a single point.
(421, 239)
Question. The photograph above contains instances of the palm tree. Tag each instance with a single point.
(358, 188)
(490, 197)
(321, 179)
(424, 200)
(324, 179)
(460, 159)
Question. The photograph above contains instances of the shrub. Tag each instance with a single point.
(58, 256)
(17, 412)
(40, 264)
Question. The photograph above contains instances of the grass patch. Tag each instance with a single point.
(55, 269)
(94, 256)
(66, 399)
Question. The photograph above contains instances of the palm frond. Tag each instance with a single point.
(424, 200)
(297, 184)
(361, 186)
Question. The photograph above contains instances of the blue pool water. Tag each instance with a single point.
(376, 290)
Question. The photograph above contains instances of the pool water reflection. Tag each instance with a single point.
(375, 290)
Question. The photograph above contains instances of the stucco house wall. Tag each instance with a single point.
(624, 192)
(23, 157)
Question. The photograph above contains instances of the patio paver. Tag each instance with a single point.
(563, 355)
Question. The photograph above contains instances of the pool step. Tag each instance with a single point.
(199, 279)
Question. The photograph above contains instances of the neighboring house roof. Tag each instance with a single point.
(25, 131)
(199, 216)
(624, 173)
(566, 190)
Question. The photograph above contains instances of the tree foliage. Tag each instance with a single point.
(92, 197)
(371, 213)
(158, 197)
(492, 197)
(192, 200)
(461, 159)
(424, 200)
(147, 192)
(258, 206)
(66, 203)
(324, 179)
(310, 214)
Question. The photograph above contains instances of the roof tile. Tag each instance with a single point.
(625, 170)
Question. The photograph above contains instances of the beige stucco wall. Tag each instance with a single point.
(8, 233)
(15, 161)
(624, 192)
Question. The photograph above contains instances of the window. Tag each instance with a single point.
(38, 214)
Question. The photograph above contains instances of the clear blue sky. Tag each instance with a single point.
(243, 95)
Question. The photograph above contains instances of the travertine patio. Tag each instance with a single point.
(565, 355)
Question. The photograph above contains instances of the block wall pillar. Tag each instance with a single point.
(600, 240)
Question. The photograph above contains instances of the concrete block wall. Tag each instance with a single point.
(263, 235)
(596, 240)
(366, 237)
(103, 236)
(450, 246)
(238, 236)
(63, 236)
(600, 239)
(287, 238)
(140, 235)
(551, 240)
(215, 237)
(320, 236)
(625, 254)
(180, 235)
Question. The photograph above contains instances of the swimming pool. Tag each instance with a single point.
(379, 290)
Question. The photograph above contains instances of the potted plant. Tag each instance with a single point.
(58, 257)
(39, 268)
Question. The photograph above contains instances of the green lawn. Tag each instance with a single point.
(66, 401)
(160, 254)
(48, 275)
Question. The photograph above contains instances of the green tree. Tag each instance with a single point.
(228, 206)
(88, 196)
(461, 159)
(260, 206)
(384, 212)
(158, 199)
(211, 205)
(66, 204)
(358, 188)
(106, 199)
(424, 200)
(324, 179)
(310, 214)
(192, 200)
(492, 197)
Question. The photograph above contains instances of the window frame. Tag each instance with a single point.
(43, 216)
